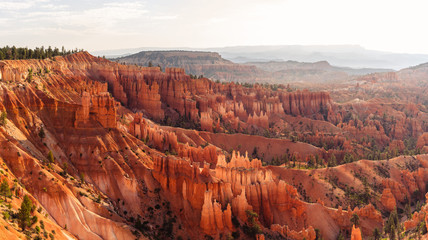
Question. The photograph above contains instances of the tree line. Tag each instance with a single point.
(15, 53)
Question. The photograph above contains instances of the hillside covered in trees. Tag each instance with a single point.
(15, 53)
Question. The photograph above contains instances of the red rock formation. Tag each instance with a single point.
(396, 145)
(148, 98)
(206, 122)
(356, 233)
(160, 139)
(397, 189)
(260, 237)
(417, 217)
(152, 91)
(287, 233)
(260, 121)
(201, 155)
(388, 200)
(104, 109)
(305, 103)
(212, 217)
(422, 142)
(201, 188)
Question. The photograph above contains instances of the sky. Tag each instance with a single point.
(387, 25)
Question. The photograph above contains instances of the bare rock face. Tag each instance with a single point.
(131, 168)
(158, 138)
(206, 122)
(163, 95)
(287, 233)
(356, 233)
(417, 217)
(212, 217)
(426, 211)
(422, 142)
(388, 200)
(305, 103)
(260, 121)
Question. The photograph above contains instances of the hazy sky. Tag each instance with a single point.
(399, 26)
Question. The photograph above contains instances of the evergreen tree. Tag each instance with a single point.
(12, 53)
(42, 133)
(355, 219)
(30, 75)
(340, 237)
(376, 234)
(332, 161)
(51, 157)
(5, 189)
(24, 213)
(3, 117)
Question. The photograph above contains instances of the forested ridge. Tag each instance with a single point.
(14, 53)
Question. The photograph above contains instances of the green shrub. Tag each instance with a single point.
(3, 118)
(252, 228)
(6, 215)
(51, 157)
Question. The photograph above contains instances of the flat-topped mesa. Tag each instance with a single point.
(100, 108)
(379, 77)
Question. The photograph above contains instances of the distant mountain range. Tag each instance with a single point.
(353, 56)
(212, 65)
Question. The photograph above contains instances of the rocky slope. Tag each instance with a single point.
(208, 64)
(213, 66)
(82, 137)
(316, 72)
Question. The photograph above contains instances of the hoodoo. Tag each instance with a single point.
(104, 150)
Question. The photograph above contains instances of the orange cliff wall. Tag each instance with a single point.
(209, 189)
(152, 92)
(100, 108)
(160, 139)
(305, 103)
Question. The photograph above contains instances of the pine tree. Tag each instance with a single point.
(355, 219)
(5, 189)
(24, 213)
(51, 157)
(332, 162)
(42, 133)
(376, 234)
(3, 117)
